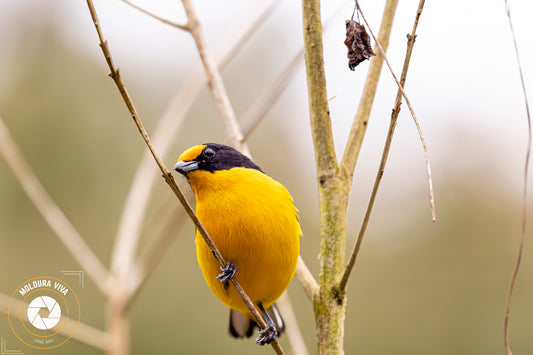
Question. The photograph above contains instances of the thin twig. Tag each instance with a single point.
(51, 212)
(362, 115)
(394, 118)
(165, 21)
(419, 129)
(169, 179)
(145, 176)
(524, 192)
(79, 331)
(214, 78)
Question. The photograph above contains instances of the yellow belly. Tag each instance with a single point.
(253, 222)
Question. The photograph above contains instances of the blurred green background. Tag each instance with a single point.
(418, 287)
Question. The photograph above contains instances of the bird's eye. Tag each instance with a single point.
(209, 153)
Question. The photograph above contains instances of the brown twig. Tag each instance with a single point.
(80, 331)
(417, 123)
(169, 179)
(524, 192)
(394, 118)
(51, 212)
(165, 21)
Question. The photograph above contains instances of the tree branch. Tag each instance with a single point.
(386, 149)
(169, 179)
(51, 213)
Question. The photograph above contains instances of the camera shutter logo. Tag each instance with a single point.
(39, 311)
(35, 313)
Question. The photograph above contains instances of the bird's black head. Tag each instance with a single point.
(212, 157)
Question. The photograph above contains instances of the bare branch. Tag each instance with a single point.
(51, 213)
(169, 179)
(80, 331)
(417, 123)
(214, 78)
(386, 149)
(524, 192)
(165, 21)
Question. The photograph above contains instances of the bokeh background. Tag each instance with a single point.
(418, 287)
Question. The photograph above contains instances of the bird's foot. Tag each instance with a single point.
(228, 272)
(267, 335)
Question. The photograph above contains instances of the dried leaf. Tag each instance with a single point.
(358, 43)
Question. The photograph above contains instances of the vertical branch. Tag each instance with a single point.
(214, 78)
(333, 190)
(326, 160)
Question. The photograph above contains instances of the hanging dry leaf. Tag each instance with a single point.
(358, 43)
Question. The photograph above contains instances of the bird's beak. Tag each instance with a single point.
(184, 167)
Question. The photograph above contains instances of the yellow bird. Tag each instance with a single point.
(252, 220)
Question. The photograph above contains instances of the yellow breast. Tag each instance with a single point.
(253, 222)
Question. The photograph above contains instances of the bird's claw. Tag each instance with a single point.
(228, 272)
(267, 335)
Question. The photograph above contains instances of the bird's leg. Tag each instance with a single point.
(268, 334)
(228, 272)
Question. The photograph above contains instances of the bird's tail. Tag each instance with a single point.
(241, 326)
